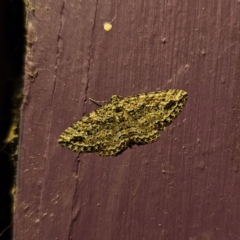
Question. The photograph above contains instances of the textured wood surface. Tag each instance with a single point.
(184, 186)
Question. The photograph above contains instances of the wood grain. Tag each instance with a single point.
(184, 186)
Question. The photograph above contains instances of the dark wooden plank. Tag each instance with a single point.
(184, 186)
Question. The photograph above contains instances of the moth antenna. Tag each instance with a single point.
(97, 102)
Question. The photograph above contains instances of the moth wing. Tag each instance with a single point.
(147, 114)
(87, 134)
(155, 110)
(115, 138)
(99, 132)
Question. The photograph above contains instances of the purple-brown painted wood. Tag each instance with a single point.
(184, 186)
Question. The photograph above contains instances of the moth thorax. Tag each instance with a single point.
(115, 99)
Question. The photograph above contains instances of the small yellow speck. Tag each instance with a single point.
(124, 121)
(107, 26)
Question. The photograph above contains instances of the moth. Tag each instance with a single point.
(124, 121)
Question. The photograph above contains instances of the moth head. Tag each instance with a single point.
(115, 99)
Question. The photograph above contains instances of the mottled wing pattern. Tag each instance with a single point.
(124, 121)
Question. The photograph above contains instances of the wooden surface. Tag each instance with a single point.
(184, 186)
